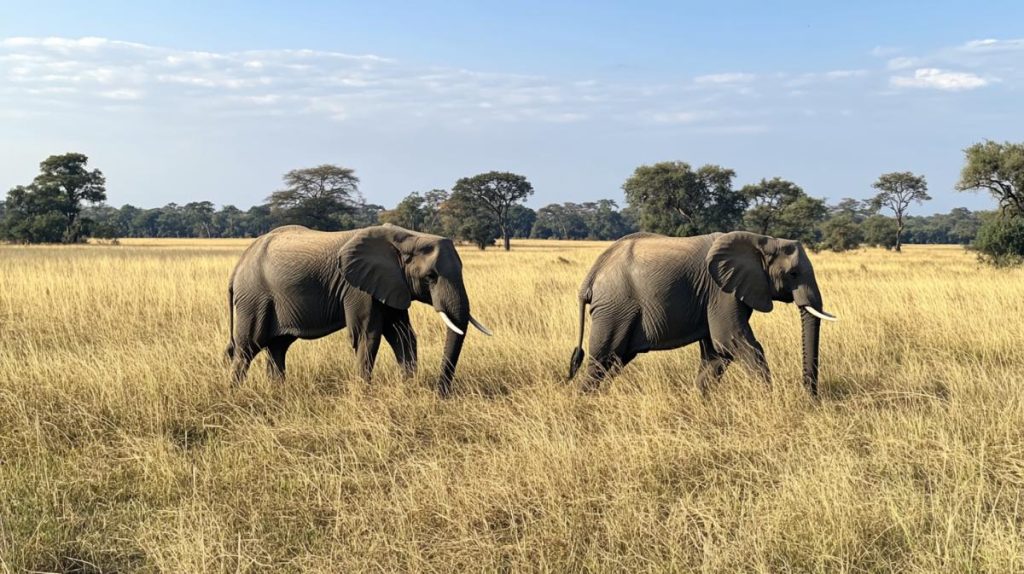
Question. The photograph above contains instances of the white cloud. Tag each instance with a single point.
(73, 73)
(885, 51)
(935, 78)
(994, 45)
(840, 74)
(679, 117)
(122, 94)
(902, 63)
(728, 78)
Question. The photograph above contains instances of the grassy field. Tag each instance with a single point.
(122, 447)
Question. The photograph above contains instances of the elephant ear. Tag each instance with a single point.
(370, 262)
(736, 264)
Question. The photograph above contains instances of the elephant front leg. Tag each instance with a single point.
(734, 340)
(712, 366)
(400, 336)
(750, 352)
(365, 324)
(366, 348)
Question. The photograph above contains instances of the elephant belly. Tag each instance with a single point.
(309, 314)
(673, 317)
(679, 340)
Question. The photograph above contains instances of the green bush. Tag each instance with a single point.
(879, 231)
(841, 233)
(1000, 241)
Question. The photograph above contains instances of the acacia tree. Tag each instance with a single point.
(418, 211)
(800, 220)
(766, 200)
(674, 199)
(409, 213)
(432, 201)
(998, 168)
(49, 208)
(496, 192)
(462, 217)
(317, 197)
(896, 191)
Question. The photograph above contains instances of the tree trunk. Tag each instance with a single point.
(505, 238)
(899, 232)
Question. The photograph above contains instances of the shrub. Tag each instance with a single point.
(1000, 241)
(879, 231)
(840, 233)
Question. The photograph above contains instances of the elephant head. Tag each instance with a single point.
(759, 269)
(397, 266)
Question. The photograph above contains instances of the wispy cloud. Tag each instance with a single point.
(902, 63)
(840, 74)
(727, 78)
(71, 75)
(680, 117)
(84, 72)
(935, 78)
(994, 45)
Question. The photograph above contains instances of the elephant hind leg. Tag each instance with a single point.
(613, 344)
(254, 326)
(276, 351)
(243, 355)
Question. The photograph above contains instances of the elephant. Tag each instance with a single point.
(650, 292)
(297, 283)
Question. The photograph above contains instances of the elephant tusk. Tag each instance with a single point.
(821, 314)
(451, 325)
(482, 328)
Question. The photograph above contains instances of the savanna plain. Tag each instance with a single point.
(124, 448)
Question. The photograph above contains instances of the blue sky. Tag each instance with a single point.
(182, 101)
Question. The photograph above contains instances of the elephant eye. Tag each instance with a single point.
(432, 276)
(794, 273)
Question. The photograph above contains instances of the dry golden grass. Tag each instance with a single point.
(122, 447)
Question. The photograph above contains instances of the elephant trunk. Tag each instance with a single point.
(452, 303)
(811, 330)
(808, 298)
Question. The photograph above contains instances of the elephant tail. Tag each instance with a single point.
(230, 351)
(577, 354)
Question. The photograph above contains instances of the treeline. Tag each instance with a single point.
(65, 203)
(200, 219)
(846, 225)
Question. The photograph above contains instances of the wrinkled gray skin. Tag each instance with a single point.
(295, 283)
(650, 292)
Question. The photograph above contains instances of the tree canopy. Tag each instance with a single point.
(998, 168)
(896, 191)
(781, 208)
(673, 199)
(49, 208)
(463, 217)
(317, 197)
(495, 192)
(418, 211)
(766, 200)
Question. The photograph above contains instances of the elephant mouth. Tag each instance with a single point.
(820, 314)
